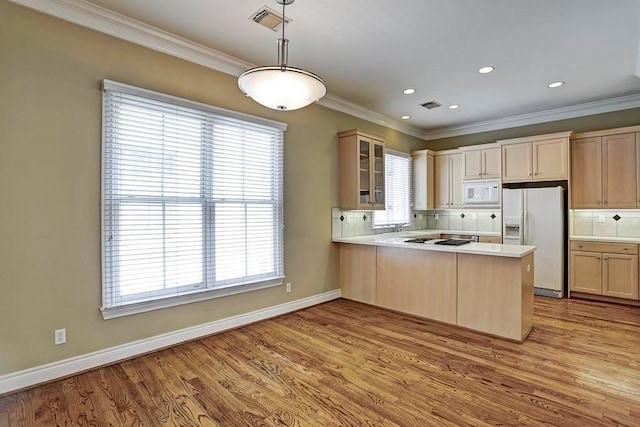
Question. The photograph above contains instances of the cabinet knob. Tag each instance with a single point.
(626, 249)
(580, 246)
(597, 257)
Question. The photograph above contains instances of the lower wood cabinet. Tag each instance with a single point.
(417, 282)
(607, 269)
(358, 272)
(489, 294)
(490, 239)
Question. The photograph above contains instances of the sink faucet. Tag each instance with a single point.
(398, 227)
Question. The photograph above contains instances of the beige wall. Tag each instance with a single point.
(579, 124)
(50, 106)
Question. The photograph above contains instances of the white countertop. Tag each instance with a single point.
(462, 232)
(606, 239)
(397, 240)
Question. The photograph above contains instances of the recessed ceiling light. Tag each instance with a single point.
(454, 106)
(409, 91)
(485, 70)
(405, 117)
(556, 84)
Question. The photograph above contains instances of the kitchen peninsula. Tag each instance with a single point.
(479, 286)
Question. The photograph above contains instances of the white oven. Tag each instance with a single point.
(483, 192)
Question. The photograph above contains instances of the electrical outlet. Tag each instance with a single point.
(59, 336)
(600, 218)
(420, 216)
(288, 287)
(347, 219)
(436, 216)
(528, 268)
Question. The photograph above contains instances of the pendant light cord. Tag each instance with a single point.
(284, 3)
(283, 44)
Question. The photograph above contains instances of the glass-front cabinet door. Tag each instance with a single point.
(361, 170)
(378, 175)
(365, 172)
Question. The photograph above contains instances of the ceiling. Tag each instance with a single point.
(368, 51)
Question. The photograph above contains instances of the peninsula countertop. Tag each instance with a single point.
(397, 240)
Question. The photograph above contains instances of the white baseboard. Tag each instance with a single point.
(40, 374)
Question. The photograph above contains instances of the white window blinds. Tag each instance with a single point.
(397, 186)
(192, 201)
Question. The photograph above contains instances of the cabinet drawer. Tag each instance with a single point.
(612, 248)
(490, 239)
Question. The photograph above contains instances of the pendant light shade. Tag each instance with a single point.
(281, 87)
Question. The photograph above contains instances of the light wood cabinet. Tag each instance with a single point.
(358, 272)
(482, 163)
(361, 170)
(495, 294)
(604, 171)
(586, 173)
(418, 282)
(608, 269)
(620, 276)
(490, 239)
(516, 162)
(423, 166)
(586, 272)
(448, 181)
(539, 158)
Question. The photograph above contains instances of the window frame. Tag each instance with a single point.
(387, 169)
(203, 290)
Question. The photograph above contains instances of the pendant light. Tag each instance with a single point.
(282, 87)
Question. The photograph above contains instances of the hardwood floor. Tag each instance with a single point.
(345, 363)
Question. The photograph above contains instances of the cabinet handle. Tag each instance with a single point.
(597, 257)
(580, 246)
(626, 249)
(484, 163)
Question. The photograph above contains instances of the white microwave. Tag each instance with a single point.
(483, 192)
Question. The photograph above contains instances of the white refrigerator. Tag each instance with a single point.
(535, 216)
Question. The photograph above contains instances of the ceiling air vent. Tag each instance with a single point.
(268, 18)
(431, 105)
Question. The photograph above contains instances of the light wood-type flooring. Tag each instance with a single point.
(345, 363)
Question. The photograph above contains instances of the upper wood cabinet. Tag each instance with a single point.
(482, 163)
(361, 170)
(604, 169)
(448, 180)
(538, 158)
(423, 165)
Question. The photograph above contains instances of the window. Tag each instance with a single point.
(192, 204)
(397, 186)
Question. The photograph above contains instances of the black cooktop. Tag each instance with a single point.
(419, 240)
(453, 242)
(449, 242)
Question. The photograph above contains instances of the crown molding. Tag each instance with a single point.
(573, 111)
(340, 104)
(103, 20)
(97, 18)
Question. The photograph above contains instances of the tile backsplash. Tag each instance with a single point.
(360, 223)
(600, 223)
